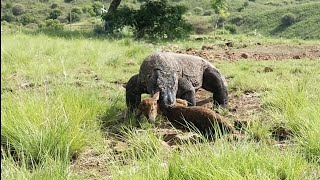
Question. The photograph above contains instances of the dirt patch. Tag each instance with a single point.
(256, 52)
(91, 164)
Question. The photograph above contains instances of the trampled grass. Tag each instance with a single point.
(60, 96)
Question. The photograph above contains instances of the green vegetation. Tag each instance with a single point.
(276, 18)
(291, 21)
(61, 96)
(154, 19)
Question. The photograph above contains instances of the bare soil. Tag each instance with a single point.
(256, 51)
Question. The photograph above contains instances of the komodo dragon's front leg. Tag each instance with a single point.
(133, 93)
(186, 91)
(214, 82)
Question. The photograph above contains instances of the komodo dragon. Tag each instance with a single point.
(175, 76)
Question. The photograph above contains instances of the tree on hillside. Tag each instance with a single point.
(154, 19)
(113, 7)
(220, 7)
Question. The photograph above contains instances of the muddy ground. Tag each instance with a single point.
(242, 107)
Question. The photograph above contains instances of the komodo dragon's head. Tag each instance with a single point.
(164, 81)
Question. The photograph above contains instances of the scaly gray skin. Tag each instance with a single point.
(175, 76)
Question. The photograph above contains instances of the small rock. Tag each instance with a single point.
(268, 69)
(297, 57)
(204, 47)
(199, 38)
(131, 63)
(120, 147)
(26, 84)
(96, 77)
(245, 55)
(229, 44)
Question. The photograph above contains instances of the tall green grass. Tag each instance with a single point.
(53, 92)
(297, 105)
(60, 96)
(222, 160)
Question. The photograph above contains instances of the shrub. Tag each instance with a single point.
(88, 10)
(98, 29)
(73, 17)
(252, 0)
(76, 10)
(26, 19)
(207, 13)
(54, 5)
(51, 24)
(68, 1)
(32, 26)
(288, 19)
(237, 20)
(18, 9)
(54, 14)
(221, 21)
(198, 10)
(8, 17)
(96, 7)
(231, 28)
(8, 5)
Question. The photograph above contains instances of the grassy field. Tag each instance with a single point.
(63, 97)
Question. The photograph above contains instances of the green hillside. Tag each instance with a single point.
(306, 25)
(245, 16)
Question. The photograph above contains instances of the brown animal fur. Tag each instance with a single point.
(150, 109)
(182, 115)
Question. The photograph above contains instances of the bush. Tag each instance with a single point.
(231, 28)
(54, 14)
(8, 5)
(154, 19)
(88, 10)
(26, 19)
(8, 17)
(18, 9)
(221, 21)
(76, 10)
(96, 7)
(32, 26)
(98, 29)
(198, 10)
(288, 19)
(237, 20)
(51, 24)
(68, 1)
(73, 17)
(54, 5)
(207, 13)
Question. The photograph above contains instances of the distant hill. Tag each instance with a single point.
(246, 16)
(268, 22)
